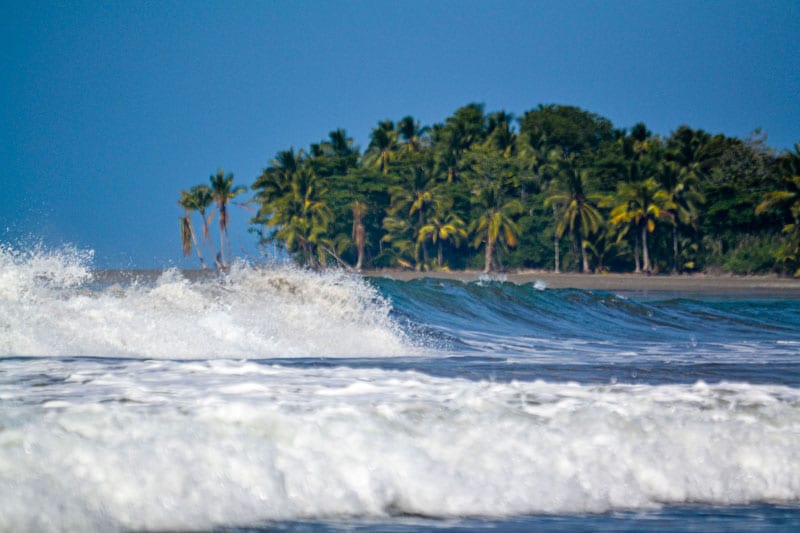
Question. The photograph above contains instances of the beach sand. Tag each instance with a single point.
(686, 283)
(703, 283)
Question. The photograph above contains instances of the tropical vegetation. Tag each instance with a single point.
(558, 188)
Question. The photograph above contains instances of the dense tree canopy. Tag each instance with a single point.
(559, 188)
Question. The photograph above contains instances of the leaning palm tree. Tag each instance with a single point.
(189, 203)
(496, 221)
(223, 192)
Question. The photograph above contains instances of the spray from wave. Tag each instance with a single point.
(51, 304)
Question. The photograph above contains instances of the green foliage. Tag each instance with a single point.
(568, 128)
(751, 255)
(559, 187)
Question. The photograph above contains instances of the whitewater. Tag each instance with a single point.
(273, 397)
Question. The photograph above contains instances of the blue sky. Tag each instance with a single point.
(110, 108)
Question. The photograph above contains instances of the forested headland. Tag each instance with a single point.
(559, 188)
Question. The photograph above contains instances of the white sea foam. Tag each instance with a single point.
(189, 445)
(46, 308)
(23, 273)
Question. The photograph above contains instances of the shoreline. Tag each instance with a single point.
(768, 285)
(628, 282)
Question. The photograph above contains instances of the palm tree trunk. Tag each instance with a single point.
(360, 234)
(359, 231)
(585, 258)
(228, 243)
(557, 270)
(422, 244)
(360, 262)
(440, 255)
(556, 247)
(645, 253)
(489, 253)
(221, 253)
(223, 220)
(675, 249)
(575, 246)
(197, 249)
(206, 237)
(637, 265)
(307, 252)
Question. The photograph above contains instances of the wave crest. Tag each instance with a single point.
(51, 304)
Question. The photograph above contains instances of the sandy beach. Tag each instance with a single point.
(701, 283)
(686, 283)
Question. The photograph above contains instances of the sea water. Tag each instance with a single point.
(278, 398)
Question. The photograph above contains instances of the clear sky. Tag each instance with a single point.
(110, 108)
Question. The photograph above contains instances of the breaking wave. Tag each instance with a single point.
(52, 304)
(189, 445)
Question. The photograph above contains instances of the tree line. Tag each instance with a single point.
(558, 188)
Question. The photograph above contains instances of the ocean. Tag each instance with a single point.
(275, 398)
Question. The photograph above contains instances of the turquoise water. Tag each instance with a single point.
(279, 399)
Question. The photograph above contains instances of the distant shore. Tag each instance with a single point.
(684, 283)
(766, 285)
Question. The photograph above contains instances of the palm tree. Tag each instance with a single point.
(276, 179)
(790, 197)
(501, 135)
(203, 198)
(412, 134)
(383, 142)
(223, 192)
(340, 143)
(302, 218)
(789, 200)
(273, 184)
(495, 223)
(443, 225)
(693, 151)
(342, 150)
(400, 237)
(189, 203)
(686, 201)
(538, 167)
(577, 208)
(607, 243)
(467, 125)
(448, 152)
(639, 205)
(416, 196)
(464, 128)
